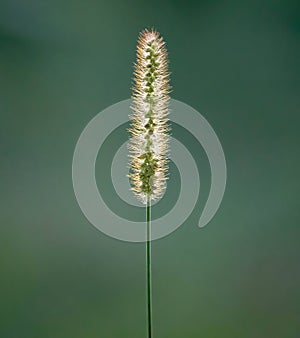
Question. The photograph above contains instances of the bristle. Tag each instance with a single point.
(149, 129)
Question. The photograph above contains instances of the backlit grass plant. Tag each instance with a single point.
(149, 131)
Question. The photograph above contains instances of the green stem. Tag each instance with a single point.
(148, 262)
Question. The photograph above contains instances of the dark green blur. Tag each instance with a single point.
(238, 63)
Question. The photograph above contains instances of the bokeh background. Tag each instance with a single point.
(237, 62)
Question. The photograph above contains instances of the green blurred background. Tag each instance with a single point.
(237, 62)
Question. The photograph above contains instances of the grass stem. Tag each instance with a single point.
(148, 263)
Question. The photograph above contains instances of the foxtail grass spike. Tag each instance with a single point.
(149, 129)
